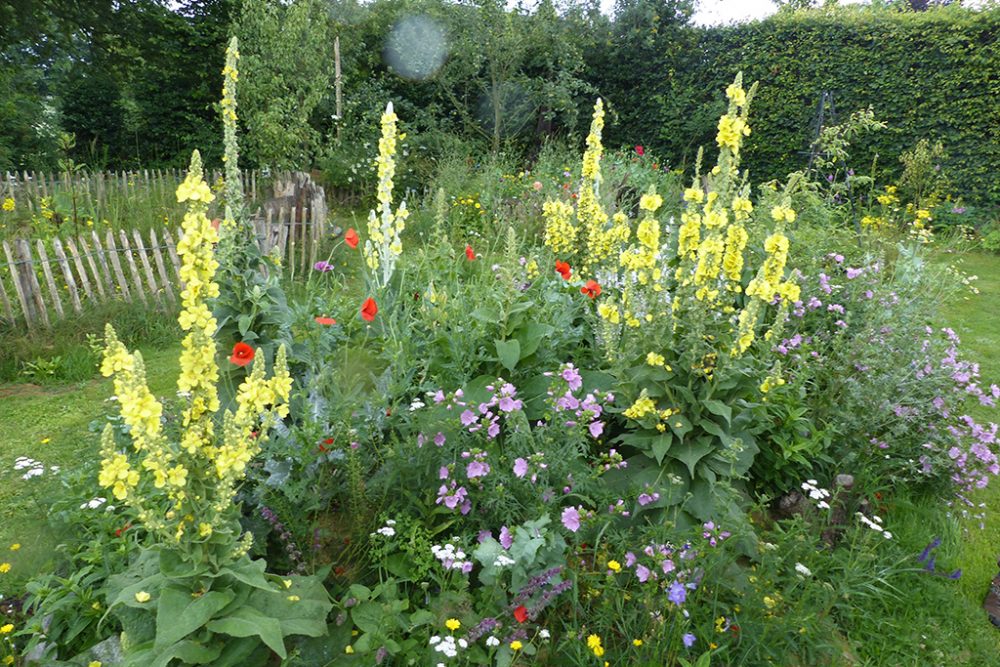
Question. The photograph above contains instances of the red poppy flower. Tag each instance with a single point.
(242, 354)
(591, 289)
(325, 321)
(562, 268)
(640, 151)
(351, 238)
(323, 445)
(369, 309)
(521, 614)
(470, 253)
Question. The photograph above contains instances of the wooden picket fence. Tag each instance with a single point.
(45, 280)
(26, 188)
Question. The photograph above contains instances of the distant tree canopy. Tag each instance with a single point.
(138, 82)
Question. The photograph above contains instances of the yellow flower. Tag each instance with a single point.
(8, 204)
(293, 598)
(348, 649)
(142, 596)
(614, 566)
(654, 359)
(594, 644)
(287, 583)
(46, 441)
(94, 663)
(650, 202)
(636, 642)
(15, 546)
(4, 568)
(9, 660)
(6, 629)
(453, 624)
(516, 645)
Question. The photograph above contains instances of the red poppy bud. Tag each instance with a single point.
(325, 321)
(470, 253)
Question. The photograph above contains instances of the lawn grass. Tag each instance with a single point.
(974, 318)
(52, 425)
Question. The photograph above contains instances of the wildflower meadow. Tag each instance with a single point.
(541, 396)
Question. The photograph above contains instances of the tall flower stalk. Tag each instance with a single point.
(384, 246)
(235, 223)
(181, 486)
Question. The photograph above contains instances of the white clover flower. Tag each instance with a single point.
(803, 570)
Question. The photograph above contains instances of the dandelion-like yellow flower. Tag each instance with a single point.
(516, 645)
(453, 624)
(614, 566)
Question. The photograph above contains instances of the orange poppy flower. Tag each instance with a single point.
(242, 354)
(351, 238)
(562, 268)
(325, 321)
(369, 309)
(591, 289)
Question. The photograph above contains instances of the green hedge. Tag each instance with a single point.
(933, 74)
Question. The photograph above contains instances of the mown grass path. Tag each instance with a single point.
(52, 426)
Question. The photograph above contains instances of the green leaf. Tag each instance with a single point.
(718, 408)
(368, 616)
(679, 425)
(249, 572)
(178, 614)
(248, 622)
(661, 445)
(509, 352)
(689, 453)
(530, 337)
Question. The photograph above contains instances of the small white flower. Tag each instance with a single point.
(544, 634)
(434, 640)
(803, 570)
(463, 643)
(492, 641)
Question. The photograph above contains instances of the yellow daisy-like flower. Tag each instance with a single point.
(453, 624)
(614, 566)
(4, 568)
(15, 546)
(636, 642)
(516, 645)
(6, 629)
(142, 596)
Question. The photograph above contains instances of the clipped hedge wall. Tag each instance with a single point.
(933, 74)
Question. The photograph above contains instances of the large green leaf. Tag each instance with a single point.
(718, 408)
(248, 622)
(509, 352)
(661, 445)
(368, 616)
(689, 453)
(178, 614)
(531, 335)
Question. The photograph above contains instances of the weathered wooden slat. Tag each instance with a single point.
(98, 279)
(43, 259)
(172, 250)
(133, 270)
(154, 245)
(283, 235)
(103, 261)
(8, 311)
(81, 271)
(27, 266)
(20, 286)
(74, 293)
(112, 251)
(140, 248)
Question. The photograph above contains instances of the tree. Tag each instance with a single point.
(287, 68)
